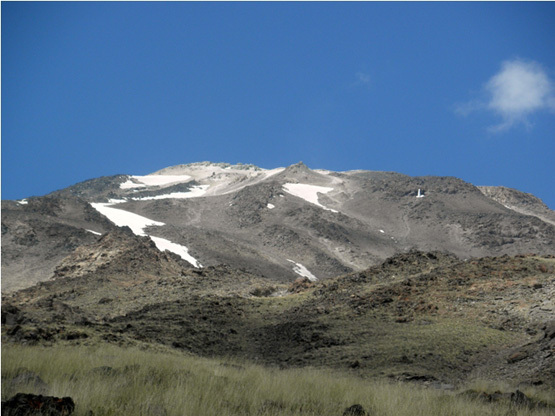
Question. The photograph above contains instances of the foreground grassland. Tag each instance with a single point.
(111, 380)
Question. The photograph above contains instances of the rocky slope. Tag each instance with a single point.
(427, 317)
(277, 224)
(524, 203)
(39, 232)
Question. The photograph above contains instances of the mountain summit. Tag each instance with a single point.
(275, 223)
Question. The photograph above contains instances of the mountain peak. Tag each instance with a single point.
(176, 169)
(276, 222)
(299, 165)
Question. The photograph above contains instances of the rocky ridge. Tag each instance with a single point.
(38, 234)
(518, 201)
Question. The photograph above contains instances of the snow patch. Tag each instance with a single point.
(419, 195)
(122, 218)
(94, 232)
(271, 206)
(154, 180)
(138, 223)
(162, 244)
(382, 231)
(193, 192)
(222, 177)
(308, 192)
(130, 185)
(23, 202)
(116, 201)
(303, 271)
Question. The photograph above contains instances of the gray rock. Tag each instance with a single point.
(549, 329)
(28, 379)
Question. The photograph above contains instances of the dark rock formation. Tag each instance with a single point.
(23, 404)
(355, 410)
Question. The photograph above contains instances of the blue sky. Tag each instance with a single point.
(453, 89)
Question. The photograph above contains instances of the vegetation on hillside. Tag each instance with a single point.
(111, 380)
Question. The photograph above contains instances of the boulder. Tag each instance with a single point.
(518, 398)
(23, 404)
(300, 285)
(28, 379)
(355, 410)
(517, 356)
(11, 315)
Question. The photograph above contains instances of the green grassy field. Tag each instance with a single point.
(111, 380)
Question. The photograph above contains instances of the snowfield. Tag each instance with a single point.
(138, 223)
(303, 271)
(308, 192)
(215, 179)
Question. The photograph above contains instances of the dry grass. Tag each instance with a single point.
(111, 380)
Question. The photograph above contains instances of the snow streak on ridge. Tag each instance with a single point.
(122, 218)
(193, 192)
(303, 271)
(182, 251)
(138, 223)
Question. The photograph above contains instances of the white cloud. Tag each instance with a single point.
(519, 89)
(465, 109)
(362, 79)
